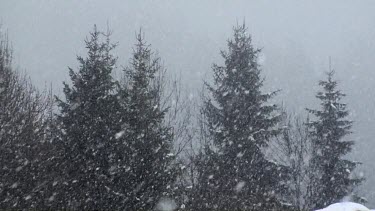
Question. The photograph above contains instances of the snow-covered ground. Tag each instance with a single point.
(345, 206)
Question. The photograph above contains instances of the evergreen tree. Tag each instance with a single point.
(333, 172)
(87, 123)
(241, 122)
(146, 169)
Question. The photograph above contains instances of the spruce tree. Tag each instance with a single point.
(145, 172)
(241, 121)
(332, 179)
(87, 123)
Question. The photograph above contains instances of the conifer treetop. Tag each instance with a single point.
(237, 101)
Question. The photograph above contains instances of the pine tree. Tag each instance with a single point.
(87, 123)
(332, 179)
(146, 169)
(241, 122)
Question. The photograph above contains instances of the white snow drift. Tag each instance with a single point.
(345, 206)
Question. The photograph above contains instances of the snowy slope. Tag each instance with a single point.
(345, 206)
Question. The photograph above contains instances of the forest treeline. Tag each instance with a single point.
(138, 143)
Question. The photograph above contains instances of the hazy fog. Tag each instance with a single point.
(297, 37)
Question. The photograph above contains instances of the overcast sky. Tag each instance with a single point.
(297, 38)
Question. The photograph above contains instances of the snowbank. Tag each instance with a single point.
(345, 206)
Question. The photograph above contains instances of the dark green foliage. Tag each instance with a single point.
(86, 122)
(332, 179)
(237, 175)
(148, 171)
